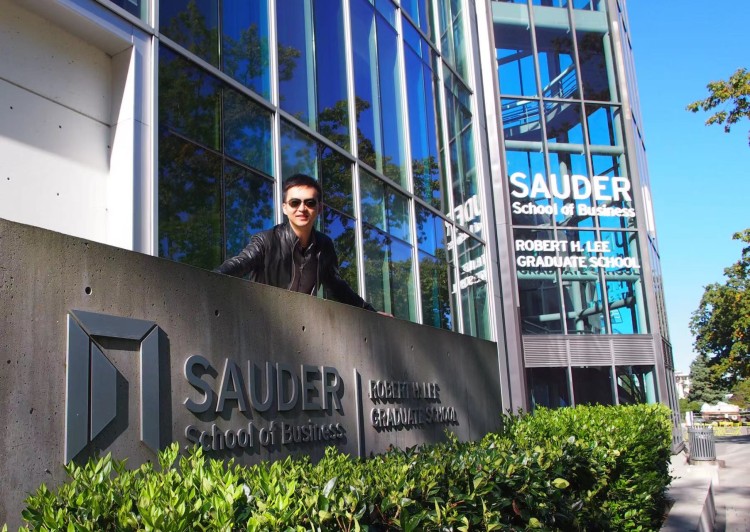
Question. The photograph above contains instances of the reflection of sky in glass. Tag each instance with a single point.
(245, 34)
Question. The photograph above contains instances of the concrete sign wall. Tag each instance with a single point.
(104, 350)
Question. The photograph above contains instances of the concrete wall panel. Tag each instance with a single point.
(47, 279)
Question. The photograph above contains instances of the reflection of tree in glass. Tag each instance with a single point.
(426, 173)
(244, 59)
(189, 215)
(433, 277)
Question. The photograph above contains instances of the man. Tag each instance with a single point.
(293, 255)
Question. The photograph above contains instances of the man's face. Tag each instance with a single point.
(301, 215)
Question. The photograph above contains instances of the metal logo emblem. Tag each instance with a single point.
(91, 389)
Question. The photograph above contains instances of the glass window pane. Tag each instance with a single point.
(548, 387)
(592, 385)
(515, 58)
(296, 60)
(563, 122)
(530, 205)
(247, 132)
(420, 12)
(336, 179)
(388, 274)
(436, 301)
(193, 25)
(538, 287)
(433, 267)
(342, 229)
(622, 270)
(299, 152)
(139, 8)
(571, 189)
(473, 286)
(392, 163)
(615, 208)
(369, 139)
(189, 203)
(635, 385)
(189, 99)
(556, 66)
(244, 43)
(384, 208)
(249, 206)
(595, 65)
(333, 107)
(604, 124)
(582, 289)
(521, 120)
(423, 128)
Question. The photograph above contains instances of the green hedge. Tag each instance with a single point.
(584, 468)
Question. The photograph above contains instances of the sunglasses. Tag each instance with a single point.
(310, 203)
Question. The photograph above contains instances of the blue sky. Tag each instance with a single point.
(700, 176)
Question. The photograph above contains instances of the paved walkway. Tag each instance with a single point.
(712, 496)
(733, 493)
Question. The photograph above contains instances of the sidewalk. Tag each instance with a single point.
(712, 496)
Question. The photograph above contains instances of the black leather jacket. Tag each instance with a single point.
(268, 259)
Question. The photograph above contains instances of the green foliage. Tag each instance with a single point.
(584, 468)
(705, 385)
(741, 394)
(721, 324)
(733, 94)
(687, 405)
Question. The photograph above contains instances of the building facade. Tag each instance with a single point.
(483, 162)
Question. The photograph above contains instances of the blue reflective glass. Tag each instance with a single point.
(189, 99)
(390, 97)
(626, 306)
(296, 60)
(472, 284)
(193, 25)
(616, 193)
(563, 122)
(515, 59)
(247, 131)
(595, 71)
(583, 298)
(422, 129)
(572, 189)
(336, 179)
(436, 302)
(388, 10)
(332, 103)
(556, 66)
(369, 139)
(389, 275)
(420, 12)
(538, 286)
(342, 229)
(384, 208)
(530, 205)
(139, 8)
(244, 43)
(249, 206)
(604, 124)
(636, 385)
(189, 203)
(430, 231)
(299, 152)
(521, 120)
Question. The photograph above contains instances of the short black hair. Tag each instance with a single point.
(302, 180)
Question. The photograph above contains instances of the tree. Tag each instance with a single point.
(704, 386)
(721, 324)
(736, 91)
(741, 394)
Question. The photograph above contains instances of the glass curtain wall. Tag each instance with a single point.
(371, 97)
(577, 256)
